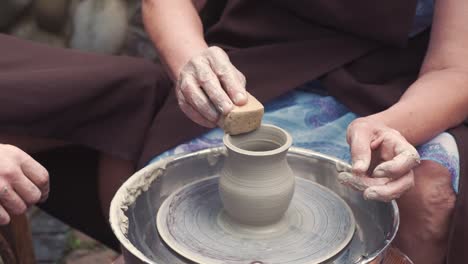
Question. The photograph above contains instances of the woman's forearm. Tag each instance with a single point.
(176, 30)
(438, 100)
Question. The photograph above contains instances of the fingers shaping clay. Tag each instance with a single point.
(243, 119)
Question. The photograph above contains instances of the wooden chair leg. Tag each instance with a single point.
(6, 252)
(19, 239)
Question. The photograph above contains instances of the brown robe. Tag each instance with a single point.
(359, 49)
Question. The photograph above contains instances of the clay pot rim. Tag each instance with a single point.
(283, 148)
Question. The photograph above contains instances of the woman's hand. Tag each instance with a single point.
(383, 160)
(209, 85)
(23, 182)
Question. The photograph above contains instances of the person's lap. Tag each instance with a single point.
(78, 97)
(318, 122)
(67, 108)
(53, 97)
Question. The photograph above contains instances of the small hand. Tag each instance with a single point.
(23, 182)
(209, 85)
(383, 161)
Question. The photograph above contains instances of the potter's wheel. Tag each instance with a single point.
(317, 226)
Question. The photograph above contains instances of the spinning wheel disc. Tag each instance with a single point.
(317, 225)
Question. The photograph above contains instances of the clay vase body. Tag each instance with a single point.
(256, 184)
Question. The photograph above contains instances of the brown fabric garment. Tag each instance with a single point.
(377, 80)
(459, 232)
(103, 102)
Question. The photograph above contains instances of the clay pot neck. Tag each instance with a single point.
(266, 143)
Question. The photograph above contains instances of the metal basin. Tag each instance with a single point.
(135, 205)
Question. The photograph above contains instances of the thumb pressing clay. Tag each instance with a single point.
(243, 119)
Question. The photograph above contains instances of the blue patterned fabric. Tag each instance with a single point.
(318, 122)
(423, 16)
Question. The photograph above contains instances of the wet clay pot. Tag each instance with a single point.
(256, 184)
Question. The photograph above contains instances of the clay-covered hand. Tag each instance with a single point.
(208, 85)
(23, 182)
(383, 160)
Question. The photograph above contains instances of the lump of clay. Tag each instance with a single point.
(243, 119)
(51, 14)
(99, 26)
(9, 10)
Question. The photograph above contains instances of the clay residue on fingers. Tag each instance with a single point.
(352, 180)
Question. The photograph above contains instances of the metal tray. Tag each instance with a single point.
(134, 207)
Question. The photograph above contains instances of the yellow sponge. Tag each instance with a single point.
(243, 119)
